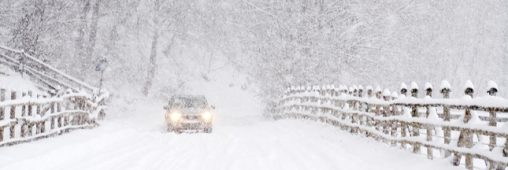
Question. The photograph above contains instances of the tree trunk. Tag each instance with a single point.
(80, 41)
(153, 52)
(153, 65)
(93, 32)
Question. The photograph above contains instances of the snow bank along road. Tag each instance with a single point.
(138, 141)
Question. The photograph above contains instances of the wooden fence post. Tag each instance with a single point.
(492, 114)
(428, 93)
(394, 125)
(377, 108)
(357, 103)
(378, 92)
(52, 111)
(466, 137)
(29, 113)
(23, 107)
(360, 95)
(445, 91)
(355, 106)
(350, 91)
(360, 91)
(403, 125)
(12, 116)
(369, 95)
(2, 98)
(24, 126)
(386, 111)
(355, 91)
(29, 109)
(403, 89)
(415, 114)
(2, 113)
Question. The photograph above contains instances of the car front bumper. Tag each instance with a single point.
(189, 125)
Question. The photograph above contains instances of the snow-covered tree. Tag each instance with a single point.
(276, 43)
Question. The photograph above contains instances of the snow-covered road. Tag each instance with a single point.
(138, 141)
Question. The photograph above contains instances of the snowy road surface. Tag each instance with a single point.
(138, 141)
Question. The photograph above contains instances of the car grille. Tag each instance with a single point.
(191, 117)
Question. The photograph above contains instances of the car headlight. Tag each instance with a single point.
(175, 116)
(206, 116)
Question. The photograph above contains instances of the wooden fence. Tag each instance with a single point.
(471, 129)
(41, 72)
(25, 116)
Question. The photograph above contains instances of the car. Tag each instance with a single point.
(189, 113)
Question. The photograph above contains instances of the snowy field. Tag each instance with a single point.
(243, 141)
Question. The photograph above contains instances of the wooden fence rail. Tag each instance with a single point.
(41, 72)
(470, 129)
(25, 116)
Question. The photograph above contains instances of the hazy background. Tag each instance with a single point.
(160, 47)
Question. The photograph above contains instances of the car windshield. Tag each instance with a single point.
(190, 102)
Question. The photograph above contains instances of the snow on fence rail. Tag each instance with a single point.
(475, 129)
(25, 116)
(42, 72)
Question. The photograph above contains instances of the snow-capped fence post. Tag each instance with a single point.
(428, 89)
(403, 89)
(369, 95)
(351, 103)
(492, 114)
(377, 109)
(29, 113)
(52, 119)
(360, 104)
(386, 111)
(466, 136)
(29, 109)
(414, 114)
(2, 113)
(369, 91)
(360, 91)
(24, 126)
(394, 95)
(355, 104)
(378, 92)
(355, 91)
(39, 125)
(403, 125)
(2, 98)
(428, 93)
(445, 91)
(12, 116)
(394, 125)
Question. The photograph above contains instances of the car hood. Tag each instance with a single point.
(193, 110)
